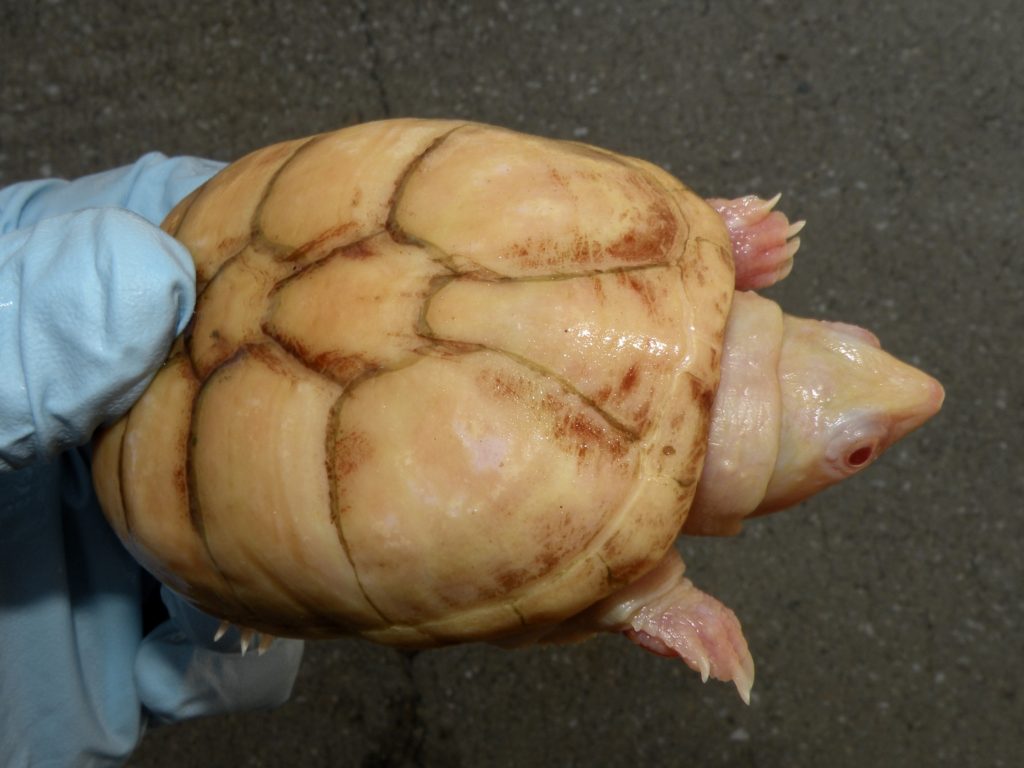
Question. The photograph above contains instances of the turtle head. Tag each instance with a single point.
(844, 402)
(802, 404)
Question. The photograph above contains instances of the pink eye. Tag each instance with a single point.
(859, 457)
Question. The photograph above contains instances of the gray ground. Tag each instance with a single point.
(886, 615)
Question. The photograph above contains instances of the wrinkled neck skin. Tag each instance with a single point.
(802, 404)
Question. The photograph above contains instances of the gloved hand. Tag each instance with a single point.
(91, 296)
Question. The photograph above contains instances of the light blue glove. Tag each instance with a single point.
(91, 297)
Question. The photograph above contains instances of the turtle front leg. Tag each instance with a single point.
(763, 240)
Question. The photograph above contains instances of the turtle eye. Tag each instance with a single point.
(856, 442)
(860, 456)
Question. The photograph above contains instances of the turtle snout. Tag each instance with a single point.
(923, 399)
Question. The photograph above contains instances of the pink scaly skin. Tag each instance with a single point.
(763, 240)
(700, 630)
(664, 613)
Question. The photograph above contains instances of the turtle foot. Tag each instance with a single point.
(763, 240)
(247, 638)
(700, 630)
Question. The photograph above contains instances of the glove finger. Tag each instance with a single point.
(150, 187)
(90, 303)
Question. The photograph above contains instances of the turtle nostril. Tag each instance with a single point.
(859, 457)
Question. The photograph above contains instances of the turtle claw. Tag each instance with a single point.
(265, 642)
(764, 242)
(247, 636)
(221, 630)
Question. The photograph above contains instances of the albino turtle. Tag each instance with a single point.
(447, 382)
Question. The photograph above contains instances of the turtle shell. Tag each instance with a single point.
(444, 382)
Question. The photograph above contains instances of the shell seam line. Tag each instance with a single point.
(296, 596)
(423, 327)
(612, 422)
(195, 515)
(335, 252)
(257, 213)
(391, 223)
(121, 479)
(334, 504)
(668, 193)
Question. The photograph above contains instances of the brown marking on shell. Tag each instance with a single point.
(351, 450)
(724, 253)
(555, 543)
(512, 579)
(647, 242)
(583, 432)
(643, 289)
(695, 271)
(322, 245)
(626, 568)
(336, 365)
(558, 178)
(602, 395)
(577, 432)
(619, 549)
(627, 572)
(361, 249)
(572, 427)
(703, 395)
(340, 367)
(266, 355)
(503, 386)
(233, 245)
(399, 235)
(180, 476)
(612, 396)
(630, 379)
(651, 243)
(548, 558)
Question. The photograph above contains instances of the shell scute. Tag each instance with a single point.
(552, 209)
(356, 310)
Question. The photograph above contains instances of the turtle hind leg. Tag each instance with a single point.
(664, 613)
(763, 240)
(700, 630)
